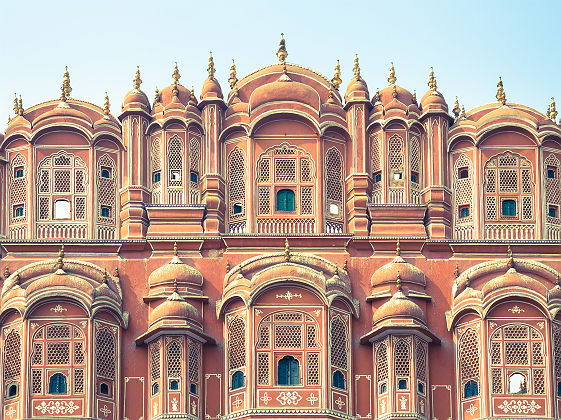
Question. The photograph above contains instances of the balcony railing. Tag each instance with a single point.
(510, 231)
(281, 225)
(463, 232)
(62, 231)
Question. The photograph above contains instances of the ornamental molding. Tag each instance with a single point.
(519, 406)
(516, 310)
(57, 407)
(289, 398)
(289, 296)
(59, 308)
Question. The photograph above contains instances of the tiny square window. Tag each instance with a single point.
(174, 385)
(421, 388)
(157, 176)
(194, 177)
(551, 172)
(397, 176)
(106, 173)
(378, 177)
(193, 389)
(508, 208)
(383, 388)
(237, 208)
(414, 177)
(105, 211)
(464, 211)
(333, 208)
(18, 211)
(18, 172)
(552, 212)
(62, 209)
(402, 384)
(175, 176)
(104, 388)
(463, 173)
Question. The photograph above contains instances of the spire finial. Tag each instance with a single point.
(414, 97)
(463, 115)
(467, 281)
(65, 89)
(210, 68)
(377, 96)
(233, 78)
(175, 249)
(552, 111)
(510, 260)
(457, 271)
(16, 104)
(392, 79)
(432, 80)
(336, 81)
(286, 250)
(156, 96)
(175, 285)
(137, 80)
(501, 97)
(397, 248)
(228, 268)
(105, 276)
(60, 260)
(20, 106)
(346, 266)
(7, 273)
(282, 53)
(394, 91)
(456, 109)
(192, 98)
(106, 106)
(176, 76)
(356, 68)
(116, 272)
(398, 283)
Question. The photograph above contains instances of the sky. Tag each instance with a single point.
(469, 44)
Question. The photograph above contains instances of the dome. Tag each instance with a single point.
(398, 266)
(403, 96)
(211, 89)
(166, 95)
(399, 306)
(62, 111)
(506, 111)
(55, 281)
(175, 270)
(175, 308)
(284, 89)
(511, 279)
(356, 88)
(433, 97)
(136, 99)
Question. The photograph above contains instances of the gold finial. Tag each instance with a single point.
(176, 76)
(175, 285)
(192, 98)
(414, 96)
(210, 68)
(60, 260)
(105, 276)
(7, 272)
(510, 261)
(356, 68)
(346, 266)
(552, 112)
(501, 97)
(394, 91)
(463, 112)
(66, 89)
(336, 271)
(331, 91)
(175, 249)
(336, 81)
(457, 271)
(156, 96)
(392, 79)
(547, 111)
(556, 280)
(20, 106)
(233, 79)
(116, 272)
(17, 279)
(456, 109)
(106, 110)
(398, 283)
(397, 248)
(286, 250)
(432, 80)
(228, 266)
(467, 281)
(523, 386)
(376, 96)
(16, 104)
(137, 80)
(282, 53)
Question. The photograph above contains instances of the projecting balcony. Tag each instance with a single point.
(510, 231)
(286, 225)
(58, 230)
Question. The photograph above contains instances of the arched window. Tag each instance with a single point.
(154, 351)
(174, 385)
(463, 197)
(402, 364)
(155, 388)
(517, 384)
(395, 170)
(156, 160)
(175, 171)
(194, 167)
(556, 344)
(471, 389)
(285, 200)
(382, 368)
(18, 189)
(104, 389)
(12, 390)
(288, 371)
(57, 384)
(415, 167)
(236, 190)
(338, 380)
(106, 197)
(62, 209)
(376, 168)
(469, 359)
(552, 183)
(334, 183)
(237, 380)
(12, 360)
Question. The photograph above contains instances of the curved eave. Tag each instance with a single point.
(408, 327)
(231, 128)
(279, 111)
(438, 112)
(340, 126)
(212, 100)
(385, 121)
(160, 123)
(153, 333)
(496, 124)
(87, 131)
(134, 111)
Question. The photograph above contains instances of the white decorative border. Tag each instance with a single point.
(219, 376)
(433, 387)
(127, 379)
(369, 379)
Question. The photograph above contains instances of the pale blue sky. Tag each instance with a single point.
(468, 43)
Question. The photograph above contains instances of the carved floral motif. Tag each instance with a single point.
(519, 406)
(57, 407)
(289, 295)
(289, 398)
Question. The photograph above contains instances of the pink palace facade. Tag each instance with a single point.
(288, 249)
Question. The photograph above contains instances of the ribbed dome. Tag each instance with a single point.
(356, 88)
(175, 308)
(433, 97)
(284, 89)
(511, 279)
(399, 306)
(62, 111)
(175, 270)
(166, 95)
(506, 111)
(136, 99)
(403, 96)
(389, 272)
(211, 89)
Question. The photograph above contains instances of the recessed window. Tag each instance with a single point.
(517, 384)
(155, 388)
(105, 211)
(57, 384)
(104, 388)
(464, 211)
(378, 177)
(157, 176)
(552, 211)
(285, 200)
(237, 380)
(402, 384)
(62, 209)
(175, 176)
(508, 208)
(18, 172)
(238, 208)
(338, 380)
(18, 211)
(193, 389)
(463, 173)
(559, 389)
(551, 172)
(421, 388)
(383, 388)
(415, 177)
(288, 371)
(174, 385)
(106, 173)
(194, 177)
(397, 176)
(471, 389)
(333, 208)
(12, 390)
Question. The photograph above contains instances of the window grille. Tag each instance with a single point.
(552, 189)
(306, 200)
(79, 381)
(36, 381)
(174, 360)
(421, 363)
(156, 159)
(195, 167)
(382, 363)
(236, 183)
(236, 343)
(334, 182)
(263, 368)
(18, 190)
(12, 357)
(312, 376)
(106, 191)
(311, 336)
(264, 200)
(155, 368)
(175, 162)
(463, 192)
(194, 362)
(105, 352)
(288, 336)
(402, 360)
(375, 158)
(396, 170)
(339, 346)
(557, 353)
(37, 355)
(469, 358)
(264, 171)
(285, 170)
(263, 337)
